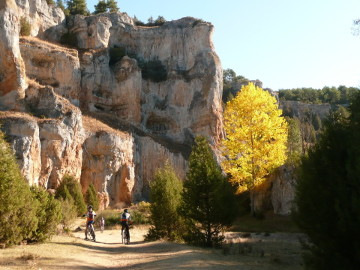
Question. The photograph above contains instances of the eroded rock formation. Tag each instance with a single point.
(146, 91)
(141, 121)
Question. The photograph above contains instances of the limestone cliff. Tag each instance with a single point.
(12, 73)
(113, 108)
(134, 122)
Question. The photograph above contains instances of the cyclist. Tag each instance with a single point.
(89, 220)
(102, 224)
(125, 221)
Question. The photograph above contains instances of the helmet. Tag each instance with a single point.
(90, 206)
(126, 211)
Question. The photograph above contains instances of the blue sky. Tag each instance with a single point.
(283, 43)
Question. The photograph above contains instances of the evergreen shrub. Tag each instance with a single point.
(91, 197)
(71, 189)
(25, 27)
(17, 205)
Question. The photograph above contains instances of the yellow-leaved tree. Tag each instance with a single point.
(255, 141)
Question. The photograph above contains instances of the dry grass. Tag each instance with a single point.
(36, 42)
(17, 115)
(274, 252)
(269, 223)
(93, 125)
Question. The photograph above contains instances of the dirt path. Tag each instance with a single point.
(277, 251)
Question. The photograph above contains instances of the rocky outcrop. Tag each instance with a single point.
(52, 142)
(301, 109)
(12, 72)
(108, 164)
(40, 15)
(23, 132)
(155, 156)
(53, 65)
(283, 190)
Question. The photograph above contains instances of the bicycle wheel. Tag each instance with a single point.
(92, 232)
(127, 237)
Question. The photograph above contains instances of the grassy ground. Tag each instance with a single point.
(270, 223)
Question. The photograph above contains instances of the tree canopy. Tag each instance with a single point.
(256, 137)
(165, 195)
(77, 7)
(208, 203)
(328, 194)
(106, 6)
(332, 95)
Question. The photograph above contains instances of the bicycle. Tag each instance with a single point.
(125, 236)
(91, 232)
(102, 225)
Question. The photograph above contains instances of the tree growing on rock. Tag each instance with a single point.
(256, 136)
(165, 195)
(328, 194)
(112, 6)
(101, 7)
(208, 203)
(77, 7)
(106, 6)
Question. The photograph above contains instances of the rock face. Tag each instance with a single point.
(23, 131)
(283, 190)
(146, 93)
(40, 15)
(12, 72)
(53, 65)
(108, 164)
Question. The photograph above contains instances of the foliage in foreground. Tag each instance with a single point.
(328, 195)
(17, 205)
(27, 214)
(48, 214)
(256, 136)
(165, 195)
(208, 203)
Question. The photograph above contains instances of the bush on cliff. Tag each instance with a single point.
(25, 27)
(70, 189)
(328, 195)
(17, 205)
(165, 196)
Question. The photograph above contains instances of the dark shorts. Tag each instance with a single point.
(124, 224)
(89, 222)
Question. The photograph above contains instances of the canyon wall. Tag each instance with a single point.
(85, 111)
(104, 100)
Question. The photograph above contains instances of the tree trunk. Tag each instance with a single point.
(252, 202)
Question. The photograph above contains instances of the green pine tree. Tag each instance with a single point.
(70, 189)
(112, 6)
(91, 197)
(60, 4)
(208, 202)
(101, 7)
(48, 214)
(77, 7)
(328, 195)
(165, 195)
(17, 205)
